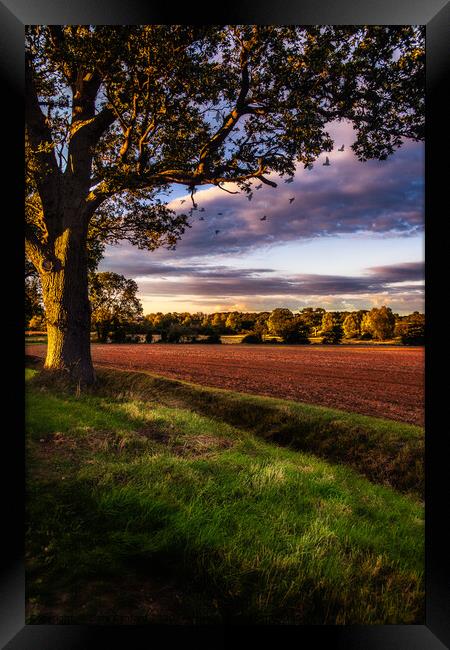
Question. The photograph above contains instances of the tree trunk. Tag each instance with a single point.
(67, 308)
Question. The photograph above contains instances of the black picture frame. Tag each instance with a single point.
(15, 635)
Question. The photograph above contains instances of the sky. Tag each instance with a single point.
(352, 238)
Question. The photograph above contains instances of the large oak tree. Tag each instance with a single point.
(117, 114)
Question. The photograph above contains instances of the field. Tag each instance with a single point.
(382, 382)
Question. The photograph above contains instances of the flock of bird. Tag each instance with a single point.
(258, 187)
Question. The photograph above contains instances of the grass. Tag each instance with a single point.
(384, 451)
(141, 507)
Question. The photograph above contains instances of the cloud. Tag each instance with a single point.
(221, 282)
(408, 271)
(347, 197)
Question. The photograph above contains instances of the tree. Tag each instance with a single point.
(328, 322)
(352, 325)
(234, 321)
(117, 114)
(333, 335)
(299, 334)
(414, 334)
(113, 302)
(379, 322)
(34, 310)
(260, 326)
(281, 322)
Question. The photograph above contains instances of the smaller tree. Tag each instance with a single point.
(299, 335)
(281, 322)
(260, 326)
(352, 325)
(414, 334)
(333, 335)
(379, 322)
(234, 321)
(327, 322)
(113, 303)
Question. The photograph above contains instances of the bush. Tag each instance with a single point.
(212, 338)
(271, 341)
(132, 338)
(297, 337)
(148, 337)
(252, 337)
(118, 336)
(366, 336)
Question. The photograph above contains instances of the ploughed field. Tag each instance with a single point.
(382, 382)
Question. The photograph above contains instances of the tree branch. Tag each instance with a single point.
(233, 117)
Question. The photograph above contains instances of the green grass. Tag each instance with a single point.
(126, 492)
(384, 451)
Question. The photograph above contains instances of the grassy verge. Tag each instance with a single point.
(384, 451)
(137, 507)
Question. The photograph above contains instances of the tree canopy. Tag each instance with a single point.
(124, 111)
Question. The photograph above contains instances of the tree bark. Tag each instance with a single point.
(67, 307)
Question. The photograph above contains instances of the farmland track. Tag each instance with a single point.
(382, 382)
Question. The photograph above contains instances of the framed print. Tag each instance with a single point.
(231, 409)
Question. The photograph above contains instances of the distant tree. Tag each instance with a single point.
(312, 318)
(379, 322)
(234, 321)
(248, 321)
(333, 335)
(281, 322)
(37, 323)
(212, 338)
(218, 322)
(352, 325)
(113, 302)
(298, 335)
(260, 326)
(328, 322)
(33, 300)
(176, 332)
(414, 334)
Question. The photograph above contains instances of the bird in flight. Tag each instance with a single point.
(327, 162)
(220, 213)
(182, 201)
(258, 187)
(289, 180)
(291, 200)
(217, 232)
(341, 148)
(201, 218)
(264, 218)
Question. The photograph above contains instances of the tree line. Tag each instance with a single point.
(117, 316)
